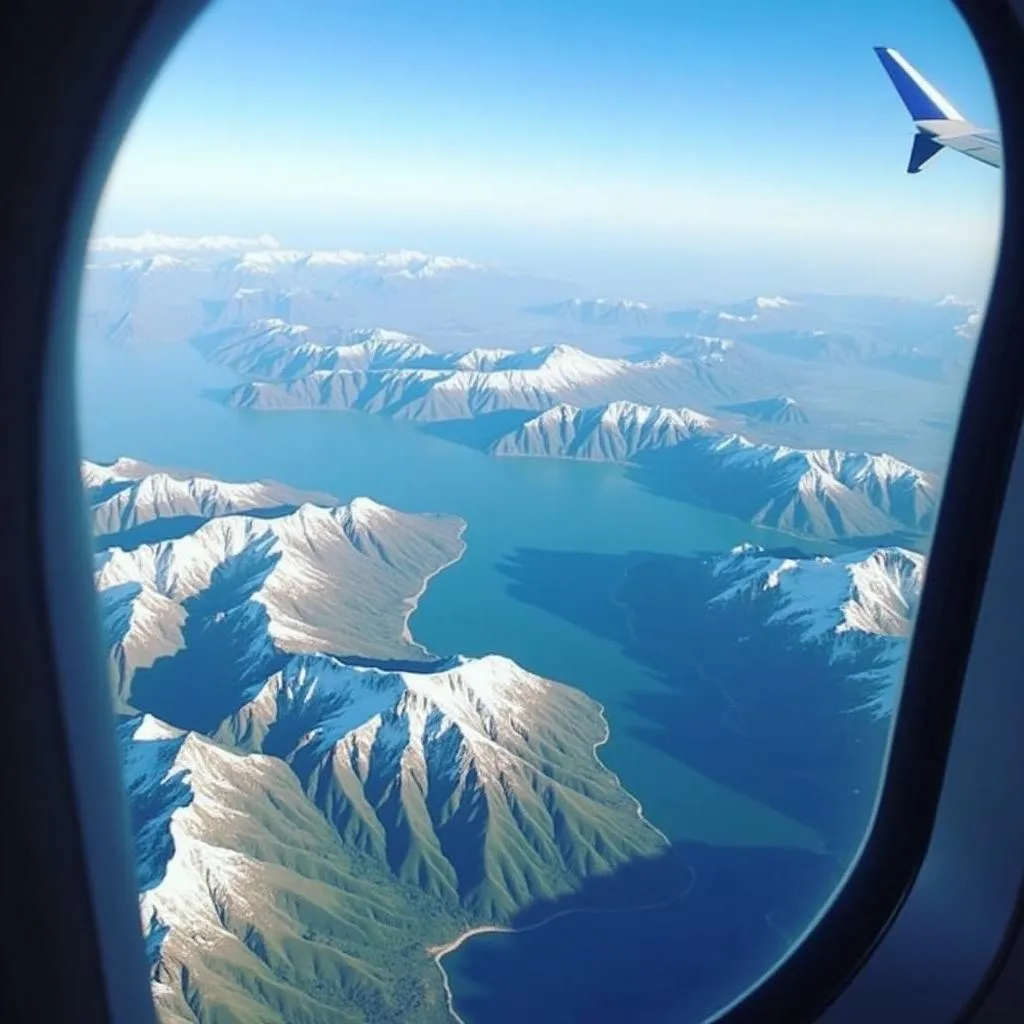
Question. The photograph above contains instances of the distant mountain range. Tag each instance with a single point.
(822, 493)
(429, 387)
(856, 605)
(779, 409)
(137, 294)
(316, 799)
(616, 313)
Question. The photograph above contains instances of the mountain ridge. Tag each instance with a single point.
(322, 824)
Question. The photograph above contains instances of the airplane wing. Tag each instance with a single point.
(939, 124)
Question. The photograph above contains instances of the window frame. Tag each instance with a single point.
(872, 949)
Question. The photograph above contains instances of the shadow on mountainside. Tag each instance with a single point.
(176, 527)
(227, 647)
(744, 703)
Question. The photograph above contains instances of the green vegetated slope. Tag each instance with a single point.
(312, 815)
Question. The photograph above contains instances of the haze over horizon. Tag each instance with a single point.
(648, 151)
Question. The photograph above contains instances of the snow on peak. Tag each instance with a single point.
(326, 578)
(151, 728)
(572, 363)
(122, 468)
(631, 414)
(774, 302)
(858, 607)
(952, 300)
(151, 264)
(616, 431)
(723, 315)
(483, 359)
(365, 511)
(872, 592)
(611, 304)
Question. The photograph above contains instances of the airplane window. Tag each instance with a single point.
(512, 440)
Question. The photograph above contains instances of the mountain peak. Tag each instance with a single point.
(365, 511)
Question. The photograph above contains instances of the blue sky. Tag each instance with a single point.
(656, 148)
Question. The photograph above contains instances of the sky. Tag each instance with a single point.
(650, 149)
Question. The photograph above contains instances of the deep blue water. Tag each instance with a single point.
(550, 579)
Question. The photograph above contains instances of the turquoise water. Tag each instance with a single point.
(149, 404)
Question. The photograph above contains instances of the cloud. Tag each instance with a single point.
(152, 242)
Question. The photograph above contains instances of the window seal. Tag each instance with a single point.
(826, 966)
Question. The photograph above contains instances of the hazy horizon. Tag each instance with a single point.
(648, 150)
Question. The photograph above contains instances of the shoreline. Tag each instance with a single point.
(412, 603)
(438, 953)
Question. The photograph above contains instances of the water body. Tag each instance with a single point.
(148, 403)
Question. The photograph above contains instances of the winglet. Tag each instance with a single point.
(923, 101)
(923, 149)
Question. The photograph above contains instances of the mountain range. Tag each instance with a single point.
(469, 384)
(317, 799)
(855, 605)
(128, 494)
(137, 294)
(778, 409)
(823, 492)
(684, 453)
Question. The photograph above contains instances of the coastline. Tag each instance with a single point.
(412, 603)
(438, 953)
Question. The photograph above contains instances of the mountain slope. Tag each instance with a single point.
(478, 382)
(819, 492)
(475, 781)
(780, 409)
(600, 312)
(342, 579)
(616, 432)
(127, 494)
(175, 295)
(856, 604)
(254, 909)
(307, 827)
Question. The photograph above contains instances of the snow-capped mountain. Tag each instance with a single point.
(308, 826)
(128, 493)
(616, 432)
(854, 605)
(276, 350)
(407, 765)
(141, 296)
(273, 349)
(819, 492)
(343, 579)
(252, 905)
(627, 313)
(779, 409)
(406, 263)
(534, 379)
(922, 339)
